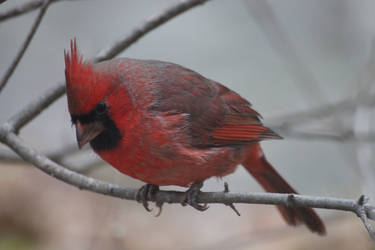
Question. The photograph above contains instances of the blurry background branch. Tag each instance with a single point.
(25, 45)
(358, 108)
(29, 112)
(281, 43)
(46, 99)
(24, 8)
(359, 207)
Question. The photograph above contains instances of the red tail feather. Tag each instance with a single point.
(257, 165)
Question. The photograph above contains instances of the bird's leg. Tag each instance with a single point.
(191, 196)
(147, 192)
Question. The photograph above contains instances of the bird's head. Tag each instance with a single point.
(88, 91)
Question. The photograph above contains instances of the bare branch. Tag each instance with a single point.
(295, 118)
(35, 107)
(361, 212)
(8, 136)
(25, 45)
(148, 26)
(19, 10)
(281, 43)
(82, 182)
(344, 136)
(286, 124)
(23, 9)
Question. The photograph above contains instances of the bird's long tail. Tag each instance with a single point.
(257, 165)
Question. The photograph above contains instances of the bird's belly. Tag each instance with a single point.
(179, 166)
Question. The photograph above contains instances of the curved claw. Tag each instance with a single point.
(146, 192)
(200, 207)
(160, 206)
(191, 197)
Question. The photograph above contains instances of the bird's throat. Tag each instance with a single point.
(108, 139)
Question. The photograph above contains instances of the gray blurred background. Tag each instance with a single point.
(283, 56)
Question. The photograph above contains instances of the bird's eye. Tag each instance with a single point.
(101, 108)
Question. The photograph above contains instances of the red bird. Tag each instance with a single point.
(167, 125)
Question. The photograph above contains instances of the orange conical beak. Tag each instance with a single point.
(87, 132)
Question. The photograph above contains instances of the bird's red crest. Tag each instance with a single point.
(85, 87)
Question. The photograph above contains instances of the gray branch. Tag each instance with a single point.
(23, 9)
(36, 106)
(347, 135)
(19, 10)
(146, 27)
(25, 45)
(53, 169)
(347, 105)
(9, 130)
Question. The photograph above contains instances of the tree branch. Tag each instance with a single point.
(146, 27)
(347, 105)
(23, 9)
(8, 136)
(34, 108)
(19, 10)
(25, 44)
(347, 135)
(82, 182)
(37, 106)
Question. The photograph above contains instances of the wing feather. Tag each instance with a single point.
(217, 115)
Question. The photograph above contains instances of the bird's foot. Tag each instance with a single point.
(191, 197)
(147, 192)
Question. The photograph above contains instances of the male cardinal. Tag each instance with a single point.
(167, 125)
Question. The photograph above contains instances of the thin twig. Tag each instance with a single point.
(34, 108)
(56, 155)
(296, 118)
(9, 137)
(231, 205)
(146, 27)
(19, 10)
(282, 44)
(30, 111)
(23, 9)
(361, 212)
(344, 136)
(25, 45)
(82, 182)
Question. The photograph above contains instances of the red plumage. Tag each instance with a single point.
(167, 125)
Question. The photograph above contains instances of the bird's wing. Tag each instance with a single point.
(217, 116)
(241, 123)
